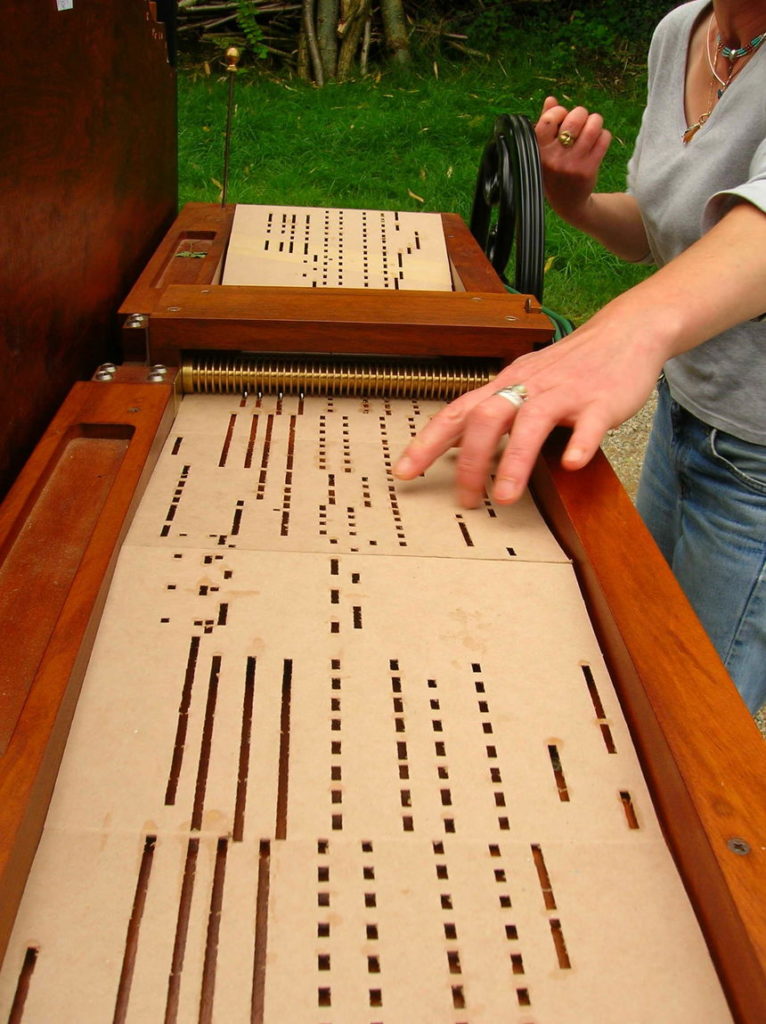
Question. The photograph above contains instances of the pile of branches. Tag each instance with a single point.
(262, 27)
(323, 39)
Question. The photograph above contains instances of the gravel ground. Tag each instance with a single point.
(624, 447)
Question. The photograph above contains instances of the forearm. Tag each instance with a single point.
(718, 282)
(614, 220)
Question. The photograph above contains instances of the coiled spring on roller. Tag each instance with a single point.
(423, 379)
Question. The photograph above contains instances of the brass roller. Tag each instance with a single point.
(412, 379)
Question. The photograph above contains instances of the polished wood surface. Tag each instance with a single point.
(471, 270)
(702, 755)
(127, 424)
(88, 460)
(187, 309)
(199, 227)
(87, 186)
(245, 318)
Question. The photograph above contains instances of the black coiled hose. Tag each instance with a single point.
(510, 178)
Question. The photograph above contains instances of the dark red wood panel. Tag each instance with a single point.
(87, 187)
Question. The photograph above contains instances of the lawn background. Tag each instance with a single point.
(406, 139)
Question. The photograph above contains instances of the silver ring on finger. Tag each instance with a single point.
(516, 394)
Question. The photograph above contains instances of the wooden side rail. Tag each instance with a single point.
(60, 529)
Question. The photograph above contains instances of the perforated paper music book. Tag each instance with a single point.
(299, 246)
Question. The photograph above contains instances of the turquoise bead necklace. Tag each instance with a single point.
(742, 51)
(733, 56)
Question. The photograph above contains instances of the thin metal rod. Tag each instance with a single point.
(232, 60)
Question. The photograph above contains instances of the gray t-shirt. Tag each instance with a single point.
(682, 190)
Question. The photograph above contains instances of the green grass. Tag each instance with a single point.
(406, 141)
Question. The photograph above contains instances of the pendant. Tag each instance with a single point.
(692, 130)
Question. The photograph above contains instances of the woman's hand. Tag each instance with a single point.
(570, 172)
(593, 380)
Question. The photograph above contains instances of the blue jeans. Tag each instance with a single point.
(703, 496)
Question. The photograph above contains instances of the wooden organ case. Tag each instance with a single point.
(324, 746)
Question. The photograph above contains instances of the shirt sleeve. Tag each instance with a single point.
(635, 158)
(751, 191)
